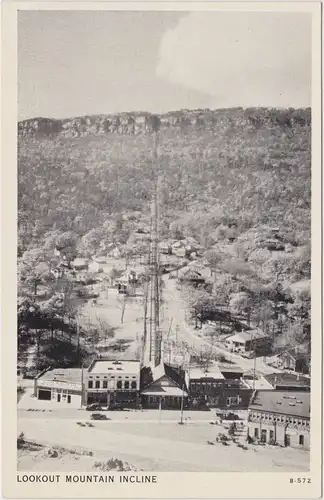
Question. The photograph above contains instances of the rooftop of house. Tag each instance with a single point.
(111, 366)
(297, 352)
(213, 372)
(190, 273)
(287, 379)
(247, 336)
(283, 402)
(62, 377)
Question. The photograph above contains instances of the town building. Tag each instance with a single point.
(205, 386)
(163, 386)
(248, 341)
(109, 381)
(280, 417)
(218, 389)
(63, 386)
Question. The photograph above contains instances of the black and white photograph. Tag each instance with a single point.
(164, 179)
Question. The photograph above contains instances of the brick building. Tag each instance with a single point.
(280, 417)
(219, 388)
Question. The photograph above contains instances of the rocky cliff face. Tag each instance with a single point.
(146, 123)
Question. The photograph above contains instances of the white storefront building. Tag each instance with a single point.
(60, 386)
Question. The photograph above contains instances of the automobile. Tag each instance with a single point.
(116, 407)
(98, 416)
(94, 406)
(230, 416)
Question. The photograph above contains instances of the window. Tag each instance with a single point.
(271, 435)
(119, 384)
(301, 440)
(126, 384)
(256, 432)
(105, 384)
(69, 398)
(90, 384)
(97, 384)
(134, 384)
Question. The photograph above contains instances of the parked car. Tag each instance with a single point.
(230, 416)
(98, 416)
(94, 406)
(116, 406)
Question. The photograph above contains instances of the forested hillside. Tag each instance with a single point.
(242, 167)
(236, 181)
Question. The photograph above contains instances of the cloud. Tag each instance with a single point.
(241, 58)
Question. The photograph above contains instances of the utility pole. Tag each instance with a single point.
(254, 362)
(82, 387)
(181, 409)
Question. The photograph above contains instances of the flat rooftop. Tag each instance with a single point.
(287, 380)
(230, 368)
(258, 383)
(61, 378)
(199, 373)
(109, 366)
(286, 403)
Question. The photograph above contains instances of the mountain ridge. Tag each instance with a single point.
(142, 122)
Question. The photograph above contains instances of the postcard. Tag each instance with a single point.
(161, 250)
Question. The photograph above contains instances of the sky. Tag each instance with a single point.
(96, 62)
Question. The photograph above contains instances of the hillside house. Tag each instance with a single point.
(247, 341)
(80, 264)
(163, 386)
(115, 253)
(127, 282)
(95, 267)
(292, 359)
(279, 417)
(190, 276)
(165, 248)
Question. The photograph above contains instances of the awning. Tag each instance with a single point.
(166, 391)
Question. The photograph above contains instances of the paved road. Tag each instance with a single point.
(165, 452)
